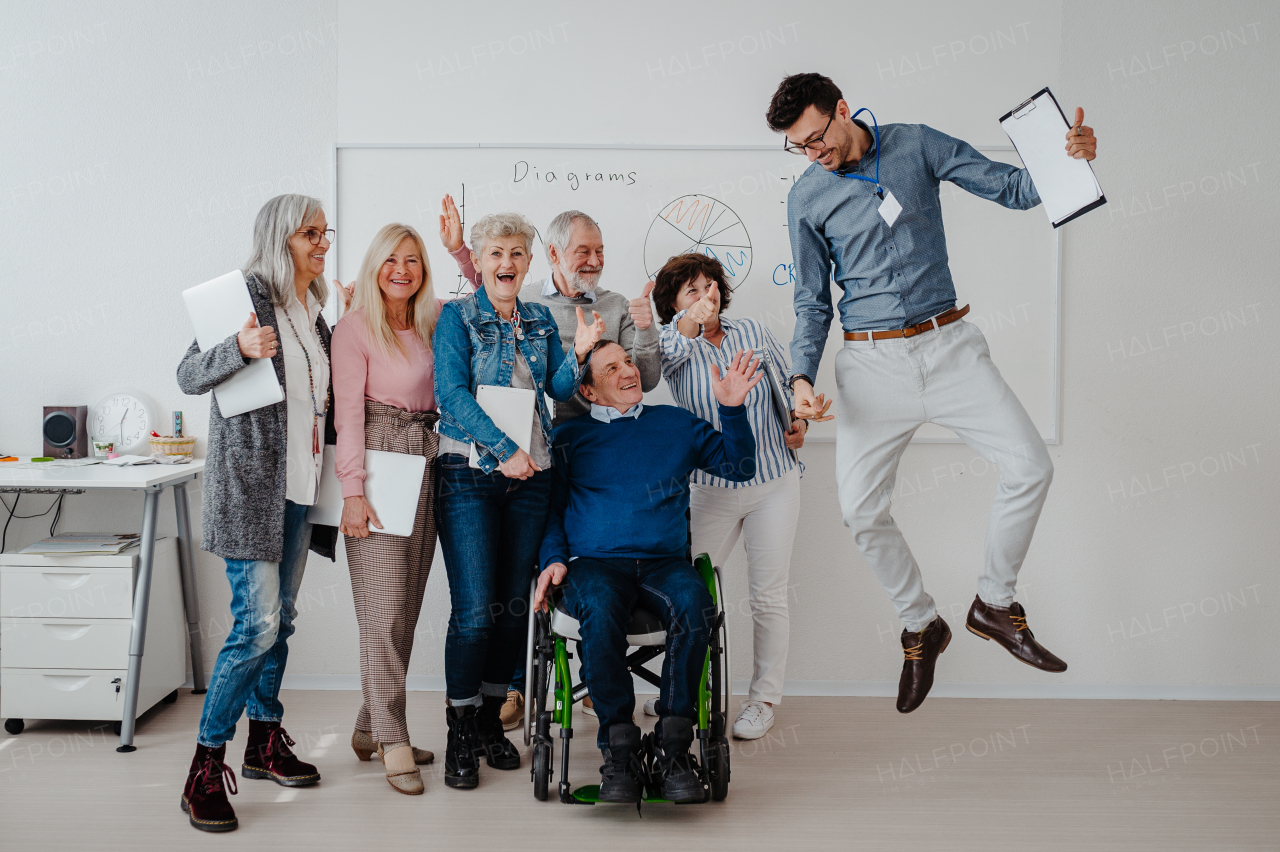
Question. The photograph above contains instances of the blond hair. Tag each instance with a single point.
(368, 297)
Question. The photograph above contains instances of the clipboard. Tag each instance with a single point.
(780, 410)
(392, 484)
(218, 309)
(511, 410)
(1068, 188)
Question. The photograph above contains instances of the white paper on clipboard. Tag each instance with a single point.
(1067, 186)
(219, 309)
(511, 410)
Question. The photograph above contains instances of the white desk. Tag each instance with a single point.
(152, 480)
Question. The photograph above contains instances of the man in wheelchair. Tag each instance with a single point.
(616, 538)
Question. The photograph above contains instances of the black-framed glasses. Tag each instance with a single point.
(313, 235)
(816, 144)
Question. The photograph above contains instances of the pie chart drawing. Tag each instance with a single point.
(699, 223)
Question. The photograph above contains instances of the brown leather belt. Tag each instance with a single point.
(911, 330)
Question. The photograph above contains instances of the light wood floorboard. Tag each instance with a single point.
(835, 773)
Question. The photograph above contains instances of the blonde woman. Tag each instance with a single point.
(385, 400)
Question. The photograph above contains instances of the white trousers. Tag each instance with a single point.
(766, 516)
(885, 390)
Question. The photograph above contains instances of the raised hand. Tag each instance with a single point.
(641, 310)
(450, 224)
(586, 336)
(552, 575)
(738, 380)
(1081, 143)
(346, 292)
(257, 342)
(706, 307)
(808, 406)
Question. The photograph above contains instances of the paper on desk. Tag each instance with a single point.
(1067, 186)
(219, 308)
(121, 461)
(65, 543)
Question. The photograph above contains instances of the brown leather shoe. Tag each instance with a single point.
(204, 797)
(1008, 626)
(921, 651)
(267, 755)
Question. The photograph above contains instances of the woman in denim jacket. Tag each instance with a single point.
(491, 519)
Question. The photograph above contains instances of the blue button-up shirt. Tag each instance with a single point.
(891, 277)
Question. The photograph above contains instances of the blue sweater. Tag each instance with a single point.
(621, 489)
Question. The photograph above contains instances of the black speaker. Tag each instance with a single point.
(66, 433)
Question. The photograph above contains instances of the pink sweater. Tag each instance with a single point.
(361, 371)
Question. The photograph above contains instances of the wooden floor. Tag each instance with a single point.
(835, 773)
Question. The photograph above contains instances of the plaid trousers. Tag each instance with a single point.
(389, 576)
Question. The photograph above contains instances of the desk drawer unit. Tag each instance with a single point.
(65, 625)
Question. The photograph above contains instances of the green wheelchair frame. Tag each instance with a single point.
(548, 658)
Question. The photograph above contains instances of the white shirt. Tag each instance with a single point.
(549, 289)
(302, 466)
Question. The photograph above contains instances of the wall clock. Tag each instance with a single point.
(126, 417)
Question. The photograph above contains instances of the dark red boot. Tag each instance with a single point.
(267, 755)
(204, 798)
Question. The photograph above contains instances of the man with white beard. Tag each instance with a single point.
(575, 250)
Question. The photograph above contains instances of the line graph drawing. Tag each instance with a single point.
(699, 223)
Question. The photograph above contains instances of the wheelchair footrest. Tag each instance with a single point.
(589, 794)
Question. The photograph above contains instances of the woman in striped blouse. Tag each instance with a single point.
(690, 293)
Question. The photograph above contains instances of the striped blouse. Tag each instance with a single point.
(686, 365)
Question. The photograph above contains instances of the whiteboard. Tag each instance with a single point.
(653, 202)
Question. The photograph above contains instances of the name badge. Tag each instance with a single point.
(889, 209)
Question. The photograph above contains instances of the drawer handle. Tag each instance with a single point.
(67, 632)
(66, 581)
(67, 683)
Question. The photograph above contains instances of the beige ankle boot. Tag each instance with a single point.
(402, 774)
(363, 744)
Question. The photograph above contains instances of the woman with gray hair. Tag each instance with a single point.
(262, 471)
(491, 511)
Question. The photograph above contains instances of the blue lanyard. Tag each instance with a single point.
(879, 189)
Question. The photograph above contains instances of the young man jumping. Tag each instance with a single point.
(867, 213)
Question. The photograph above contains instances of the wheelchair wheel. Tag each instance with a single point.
(530, 654)
(541, 770)
(721, 685)
(718, 768)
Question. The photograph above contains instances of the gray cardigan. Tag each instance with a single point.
(244, 474)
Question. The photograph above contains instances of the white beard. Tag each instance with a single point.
(577, 282)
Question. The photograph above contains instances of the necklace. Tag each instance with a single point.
(316, 413)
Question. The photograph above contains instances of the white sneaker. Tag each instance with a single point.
(651, 707)
(587, 706)
(754, 720)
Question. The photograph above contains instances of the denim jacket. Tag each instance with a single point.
(474, 347)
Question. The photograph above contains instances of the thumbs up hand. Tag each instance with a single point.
(641, 309)
(257, 342)
(1081, 143)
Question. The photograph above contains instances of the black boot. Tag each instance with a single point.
(676, 772)
(499, 752)
(622, 773)
(461, 766)
(267, 755)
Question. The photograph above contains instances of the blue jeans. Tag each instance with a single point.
(601, 594)
(251, 663)
(490, 530)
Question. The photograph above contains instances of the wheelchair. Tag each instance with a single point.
(550, 692)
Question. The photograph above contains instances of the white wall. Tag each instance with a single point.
(138, 144)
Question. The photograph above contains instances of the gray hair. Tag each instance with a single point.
(270, 260)
(497, 225)
(561, 229)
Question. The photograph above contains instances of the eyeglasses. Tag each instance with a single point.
(313, 235)
(815, 144)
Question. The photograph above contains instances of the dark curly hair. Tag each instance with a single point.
(679, 271)
(796, 94)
